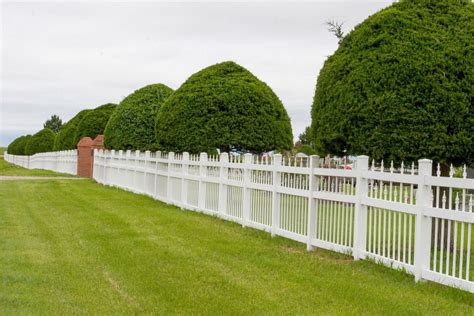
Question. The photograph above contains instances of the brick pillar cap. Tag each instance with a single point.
(98, 141)
(85, 142)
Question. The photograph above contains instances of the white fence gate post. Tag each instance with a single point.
(360, 210)
(277, 158)
(313, 163)
(202, 184)
(184, 181)
(247, 191)
(223, 174)
(423, 223)
(155, 181)
(146, 163)
(169, 187)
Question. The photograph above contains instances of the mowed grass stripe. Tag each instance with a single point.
(79, 247)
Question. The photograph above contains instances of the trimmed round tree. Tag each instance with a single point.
(20, 146)
(400, 86)
(40, 142)
(94, 121)
(65, 139)
(12, 147)
(223, 107)
(132, 125)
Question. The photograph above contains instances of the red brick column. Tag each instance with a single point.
(84, 157)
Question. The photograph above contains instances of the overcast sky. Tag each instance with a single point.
(60, 58)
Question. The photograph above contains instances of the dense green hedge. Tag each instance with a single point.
(223, 106)
(132, 125)
(40, 142)
(94, 121)
(17, 147)
(65, 139)
(400, 85)
(12, 147)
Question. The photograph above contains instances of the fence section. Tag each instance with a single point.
(402, 217)
(59, 161)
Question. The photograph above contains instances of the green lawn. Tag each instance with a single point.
(8, 169)
(78, 247)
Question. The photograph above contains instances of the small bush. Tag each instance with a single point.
(94, 121)
(65, 139)
(306, 149)
(40, 142)
(132, 125)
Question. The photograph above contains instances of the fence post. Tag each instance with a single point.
(202, 183)
(247, 191)
(222, 206)
(423, 223)
(312, 214)
(360, 210)
(277, 158)
(169, 187)
(145, 169)
(184, 181)
(155, 183)
(136, 163)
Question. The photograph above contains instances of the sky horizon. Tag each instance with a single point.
(60, 58)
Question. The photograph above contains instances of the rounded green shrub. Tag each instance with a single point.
(40, 142)
(400, 86)
(21, 145)
(223, 107)
(94, 121)
(132, 125)
(14, 147)
(65, 139)
(17, 147)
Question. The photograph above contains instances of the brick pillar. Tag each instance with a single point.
(98, 142)
(85, 157)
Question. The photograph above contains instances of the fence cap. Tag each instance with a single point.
(85, 142)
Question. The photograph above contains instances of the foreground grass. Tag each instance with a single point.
(8, 169)
(78, 247)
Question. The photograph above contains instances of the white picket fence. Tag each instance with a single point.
(389, 215)
(59, 161)
(386, 215)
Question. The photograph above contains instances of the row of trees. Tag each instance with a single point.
(399, 87)
(222, 107)
(56, 136)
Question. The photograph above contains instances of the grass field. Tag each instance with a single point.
(63, 250)
(8, 169)
(2, 150)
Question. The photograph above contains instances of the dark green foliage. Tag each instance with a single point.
(17, 147)
(306, 149)
(305, 137)
(65, 139)
(223, 106)
(40, 142)
(132, 125)
(94, 121)
(54, 123)
(400, 86)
